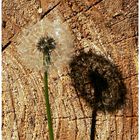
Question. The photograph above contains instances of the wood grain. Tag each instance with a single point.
(107, 27)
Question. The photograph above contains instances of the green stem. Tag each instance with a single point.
(48, 106)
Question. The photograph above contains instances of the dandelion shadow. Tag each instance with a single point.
(99, 82)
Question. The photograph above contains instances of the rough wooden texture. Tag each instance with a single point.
(107, 27)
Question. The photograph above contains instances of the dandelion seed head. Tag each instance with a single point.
(46, 44)
(51, 34)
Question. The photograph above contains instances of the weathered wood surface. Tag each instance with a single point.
(107, 27)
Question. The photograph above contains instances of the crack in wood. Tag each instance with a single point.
(92, 5)
(13, 107)
(49, 10)
(125, 18)
(81, 108)
(6, 45)
(85, 10)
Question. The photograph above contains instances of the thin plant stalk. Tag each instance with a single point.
(50, 127)
(46, 45)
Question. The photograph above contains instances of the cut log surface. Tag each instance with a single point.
(107, 28)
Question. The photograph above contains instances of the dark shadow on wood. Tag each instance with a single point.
(93, 124)
(99, 82)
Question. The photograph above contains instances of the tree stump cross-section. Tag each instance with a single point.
(96, 54)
